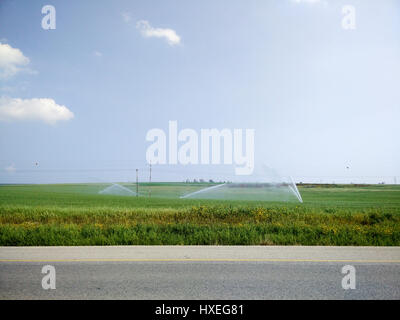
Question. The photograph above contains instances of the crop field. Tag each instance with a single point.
(76, 214)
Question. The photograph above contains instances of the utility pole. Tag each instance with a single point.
(137, 183)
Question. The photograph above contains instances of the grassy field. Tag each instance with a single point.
(75, 214)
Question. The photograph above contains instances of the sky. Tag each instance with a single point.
(77, 101)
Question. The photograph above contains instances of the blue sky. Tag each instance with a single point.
(320, 98)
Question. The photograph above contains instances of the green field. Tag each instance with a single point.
(75, 214)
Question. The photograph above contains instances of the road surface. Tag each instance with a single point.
(200, 272)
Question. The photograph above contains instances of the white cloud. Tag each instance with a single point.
(11, 168)
(43, 109)
(126, 16)
(148, 31)
(12, 61)
(97, 53)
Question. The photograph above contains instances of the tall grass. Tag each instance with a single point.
(198, 225)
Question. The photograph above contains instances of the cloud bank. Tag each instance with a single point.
(43, 109)
(148, 31)
(12, 61)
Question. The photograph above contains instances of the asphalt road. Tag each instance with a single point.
(197, 272)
